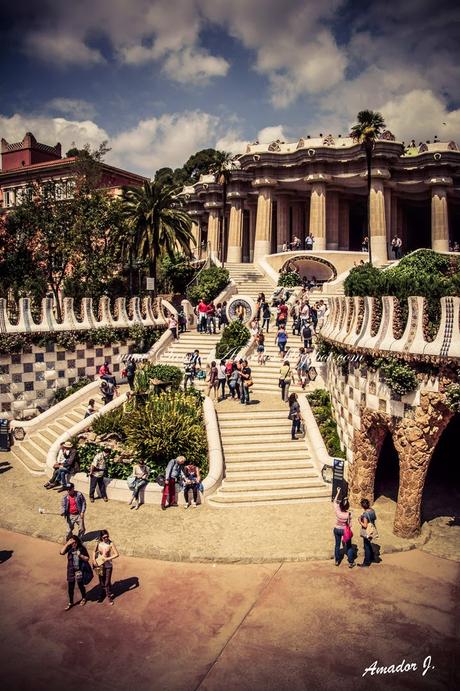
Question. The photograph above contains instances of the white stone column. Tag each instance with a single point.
(252, 230)
(263, 239)
(297, 221)
(213, 230)
(318, 215)
(235, 231)
(332, 221)
(344, 224)
(378, 237)
(439, 220)
(282, 218)
(196, 234)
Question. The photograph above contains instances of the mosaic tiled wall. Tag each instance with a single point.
(359, 389)
(28, 380)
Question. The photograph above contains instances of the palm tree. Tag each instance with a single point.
(160, 224)
(222, 169)
(368, 128)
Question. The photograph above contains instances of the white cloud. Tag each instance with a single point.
(52, 130)
(421, 115)
(61, 49)
(233, 142)
(76, 107)
(165, 141)
(194, 66)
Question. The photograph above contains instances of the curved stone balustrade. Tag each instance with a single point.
(123, 315)
(376, 331)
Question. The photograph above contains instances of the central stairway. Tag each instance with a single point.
(250, 280)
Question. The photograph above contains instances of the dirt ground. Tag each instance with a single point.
(235, 627)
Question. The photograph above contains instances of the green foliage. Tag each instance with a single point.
(12, 343)
(175, 273)
(65, 392)
(116, 468)
(453, 398)
(66, 339)
(399, 376)
(320, 402)
(110, 423)
(210, 282)
(363, 280)
(234, 336)
(289, 280)
(169, 425)
(322, 348)
(147, 372)
(143, 336)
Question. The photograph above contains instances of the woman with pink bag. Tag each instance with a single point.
(342, 530)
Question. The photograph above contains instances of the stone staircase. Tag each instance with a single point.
(262, 464)
(250, 280)
(188, 342)
(266, 376)
(32, 451)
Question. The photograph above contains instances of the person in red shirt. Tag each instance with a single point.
(282, 314)
(202, 316)
(210, 321)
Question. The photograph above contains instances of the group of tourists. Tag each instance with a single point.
(177, 323)
(210, 317)
(231, 373)
(343, 533)
(296, 244)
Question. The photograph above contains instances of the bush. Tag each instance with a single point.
(143, 336)
(116, 469)
(65, 392)
(12, 343)
(110, 423)
(210, 282)
(146, 373)
(320, 402)
(453, 398)
(234, 336)
(175, 273)
(169, 425)
(399, 376)
(289, 280)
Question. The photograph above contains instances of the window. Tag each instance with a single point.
(8, 198)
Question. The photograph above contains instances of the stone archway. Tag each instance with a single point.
(367, 445)
(415, 439)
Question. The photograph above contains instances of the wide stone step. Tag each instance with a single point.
(249, 439)
(269, 467)
(27, 460)
(246, 414)
(294, 474)
(57, 428)
(227, 426)
(30, 453)
(49, 434)
(41, 442)
(256, 455)
(273, 484)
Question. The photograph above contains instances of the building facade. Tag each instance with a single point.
(318, 187)
(29, 162)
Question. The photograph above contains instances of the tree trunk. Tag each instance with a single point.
(224, 223)
(57, 303)
(368, 202)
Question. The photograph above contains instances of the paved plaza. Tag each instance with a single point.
(227, 627)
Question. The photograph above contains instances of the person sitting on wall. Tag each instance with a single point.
(69, 465)
(53, 481)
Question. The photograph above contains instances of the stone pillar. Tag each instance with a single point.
(318, 215)
(332, 221)
(263, 238)
(252, 230)
(297, 221)
(282, 209)
(213, 231)
(235, 231)
(344, 224)
(394, 217)
(388, 206)
(196, 234)
(377, 222)
(439, 220)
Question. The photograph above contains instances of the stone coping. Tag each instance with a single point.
(118, 489)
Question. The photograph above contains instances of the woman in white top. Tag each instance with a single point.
(141, 472)
(104, 553)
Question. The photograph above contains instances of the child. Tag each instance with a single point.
(91, 409)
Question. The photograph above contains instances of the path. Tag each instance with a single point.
(182, 627)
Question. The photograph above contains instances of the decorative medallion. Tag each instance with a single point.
(329, 140)
(242, 308)
(388, 136)
(300, 144)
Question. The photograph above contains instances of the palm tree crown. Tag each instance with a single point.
(160, 224)
(222, 167)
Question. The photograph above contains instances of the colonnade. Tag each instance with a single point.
(275, 216)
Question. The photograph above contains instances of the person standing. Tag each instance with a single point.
(234, 382)
(213, 381)
(107, 389)
(368, 517)
(97, 471)
(104, 553)
(282, 314)
(192, 478)
(266, 314)
(141, 473)
(221, 378)
(189, 370)
(307, 336)
(281, 339)
(261, 348)
(285, 380)
(201, 310)
(223, 314)
(294, 415)
(343, 518)
(172, 475)
(131, 373)
(246, 382)
(210, 318)
(309, 242)
(73, 507)
(172, 326)
(77, 565)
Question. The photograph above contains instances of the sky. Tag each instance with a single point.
(162, 79)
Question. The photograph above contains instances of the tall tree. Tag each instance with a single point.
(368, 128)
(222, 167)
(160, 223)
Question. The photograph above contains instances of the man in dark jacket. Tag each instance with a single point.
(131, 373)
(73, 507)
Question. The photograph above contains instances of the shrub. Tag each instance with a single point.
(453, 398)
(116, 468)
(165, 373)
(103, 335)
(110, 423)
(65, 392)
(175, 273)
(12, 343)
(169, 425)
(210, 282)
(399, 376)
(290, 280)
(143, 336)
(320, 402)
(234, 336)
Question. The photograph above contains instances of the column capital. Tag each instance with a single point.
(439, 182)
(318, 177)
(212, 205)
(264, 182)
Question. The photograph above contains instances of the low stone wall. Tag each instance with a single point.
(28, 380)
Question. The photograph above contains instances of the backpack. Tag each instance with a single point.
(306, 332)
